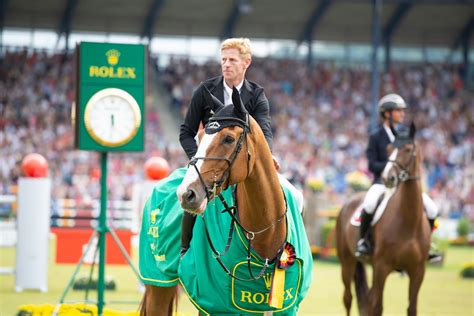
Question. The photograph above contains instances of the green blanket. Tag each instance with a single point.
(210, 289)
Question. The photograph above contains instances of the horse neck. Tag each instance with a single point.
(411, 203)
(261, 203)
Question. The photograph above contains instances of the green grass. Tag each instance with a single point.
(443, 291)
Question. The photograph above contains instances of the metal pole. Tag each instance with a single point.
(124, 252)
(66, 40)
(102, 230)
(3, 14)
(375, 45)
(309, 57)
(388, 57)
(466, 61)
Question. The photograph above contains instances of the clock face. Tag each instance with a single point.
(112, 117)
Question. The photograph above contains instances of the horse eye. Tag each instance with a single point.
(229, 140)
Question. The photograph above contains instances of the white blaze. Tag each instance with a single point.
(191, 175)
(390, 163)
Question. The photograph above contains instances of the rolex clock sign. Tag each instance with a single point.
(110, 97)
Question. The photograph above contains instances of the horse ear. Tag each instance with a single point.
(209, 98)
(237, 101)
(412, 130)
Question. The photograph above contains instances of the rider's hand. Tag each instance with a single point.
(276, 163)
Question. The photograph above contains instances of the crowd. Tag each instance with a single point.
(37, 91)
(320, 119)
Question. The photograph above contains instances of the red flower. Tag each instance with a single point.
(288, 257)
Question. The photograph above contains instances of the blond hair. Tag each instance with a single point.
(242, 44)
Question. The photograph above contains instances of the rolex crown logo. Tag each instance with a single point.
(113, 56)
(268, 280)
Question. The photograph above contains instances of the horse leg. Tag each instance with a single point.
(347, 272)
(416, 278)
(381, 272)
(158, 301)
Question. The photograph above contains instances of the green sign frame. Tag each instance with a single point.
(102, 66)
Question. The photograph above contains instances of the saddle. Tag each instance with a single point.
(355, 219)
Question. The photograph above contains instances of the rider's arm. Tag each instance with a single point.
(190, 126)
(261, 113)
(376, 165)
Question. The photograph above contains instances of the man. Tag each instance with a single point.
(392, 110)
(235, 60)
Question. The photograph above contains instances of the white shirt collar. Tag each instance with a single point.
(389, 133)
(228, 92)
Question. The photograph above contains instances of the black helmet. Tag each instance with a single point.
(391, 101)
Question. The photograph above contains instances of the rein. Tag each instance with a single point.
(233, 210)
(249, 236)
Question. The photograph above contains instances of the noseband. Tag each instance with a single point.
(403, 173)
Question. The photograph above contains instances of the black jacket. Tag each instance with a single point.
(377, 153)
(252, 95)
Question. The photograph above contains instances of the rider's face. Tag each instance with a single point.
(233, 66)
(398, 115)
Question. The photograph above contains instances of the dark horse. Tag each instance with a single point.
(400, 239)
(233, 153)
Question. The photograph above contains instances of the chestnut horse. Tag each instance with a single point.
(233, 153)
(400, 238)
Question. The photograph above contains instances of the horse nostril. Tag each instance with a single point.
(190, 196)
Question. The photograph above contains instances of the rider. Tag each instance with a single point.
(235, 60)
(391, 109)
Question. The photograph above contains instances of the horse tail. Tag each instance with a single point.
(361, 287)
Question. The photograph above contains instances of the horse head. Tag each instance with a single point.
(223, 158)
(404, 158)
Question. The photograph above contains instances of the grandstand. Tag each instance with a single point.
(312, 106)
(315, 60)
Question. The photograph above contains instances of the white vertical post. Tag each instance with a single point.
(33, 220)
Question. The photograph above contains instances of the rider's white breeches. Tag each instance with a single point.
(372, 196)
(376, 190)
(430, 207)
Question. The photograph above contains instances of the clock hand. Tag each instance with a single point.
(112, 119)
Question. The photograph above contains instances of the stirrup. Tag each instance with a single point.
(435, 257)
(363, 249)
(182, 252)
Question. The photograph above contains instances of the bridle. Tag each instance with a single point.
(403, 173)
(233, 210)
(212, 192)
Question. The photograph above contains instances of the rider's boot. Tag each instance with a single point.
(187, 224)
(363, 245)
(433, 255)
